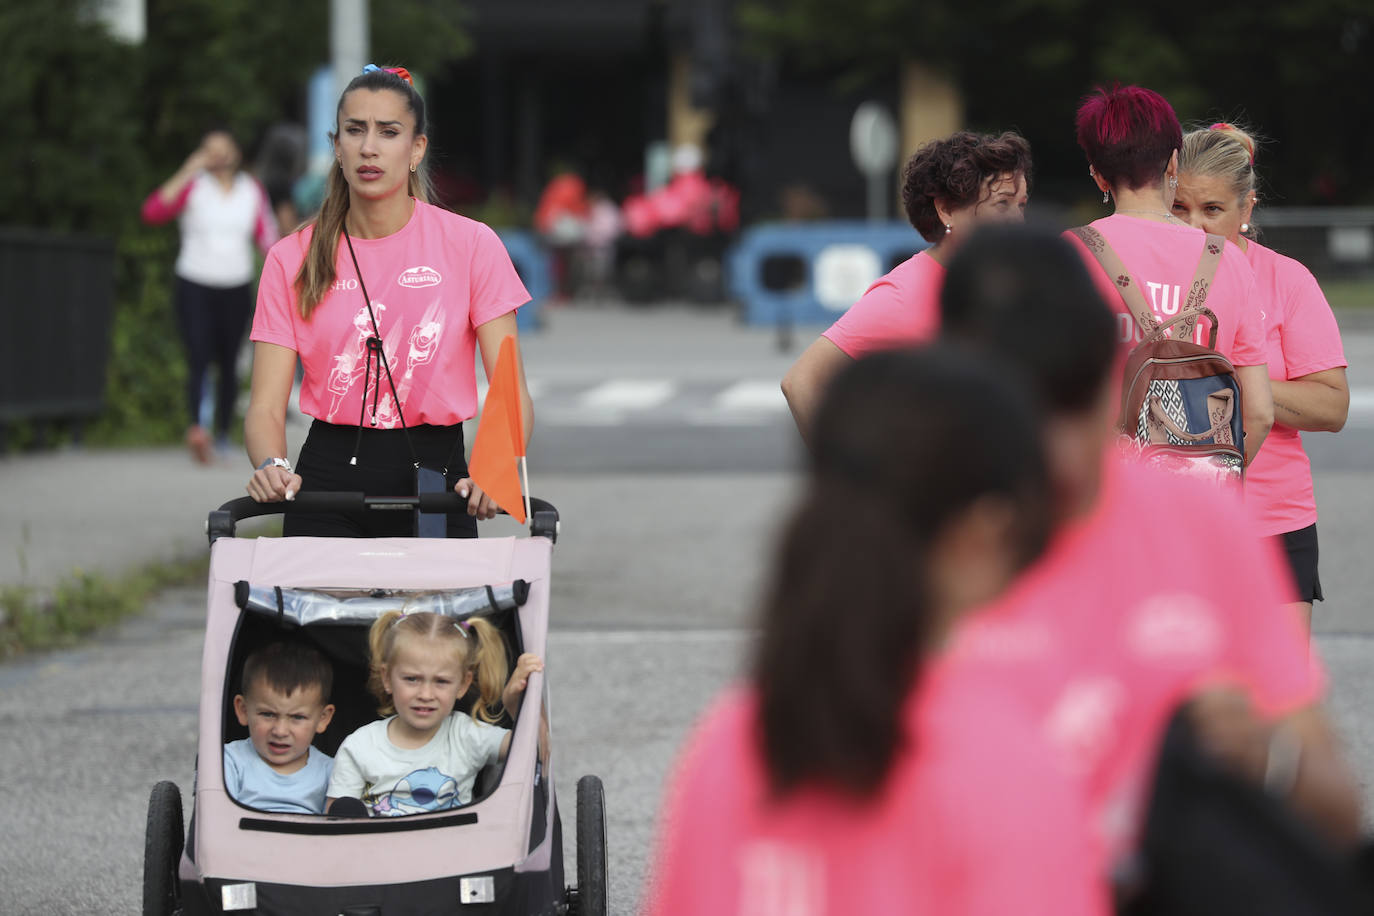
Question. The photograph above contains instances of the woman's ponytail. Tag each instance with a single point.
(904, 444)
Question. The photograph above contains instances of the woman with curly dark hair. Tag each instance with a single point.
(948, 187)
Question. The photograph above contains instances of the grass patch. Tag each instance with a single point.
(1349, 294)
(84, 602)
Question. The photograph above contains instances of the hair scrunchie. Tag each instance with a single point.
(401, 72)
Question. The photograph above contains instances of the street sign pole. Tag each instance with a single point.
(873, 144)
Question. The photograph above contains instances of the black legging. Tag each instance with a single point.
(384, 468)
(213, 322)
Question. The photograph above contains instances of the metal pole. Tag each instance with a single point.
(348, 40)
(877, 197)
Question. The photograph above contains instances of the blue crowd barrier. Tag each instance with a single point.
(535, 267)
(839, 260)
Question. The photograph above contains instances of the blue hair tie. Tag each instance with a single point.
(370, 67)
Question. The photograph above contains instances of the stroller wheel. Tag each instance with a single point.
(591, 847)
(162, 846)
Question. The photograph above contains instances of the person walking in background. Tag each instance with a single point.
(604, 226)
(857, 771)
(948, 187)
(560, 218)
(1217, 193)
(222, 211)
(1131, 137)
(385, 299)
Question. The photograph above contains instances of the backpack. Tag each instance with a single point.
(1180, 400)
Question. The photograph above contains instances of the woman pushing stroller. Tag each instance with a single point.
(384, 298)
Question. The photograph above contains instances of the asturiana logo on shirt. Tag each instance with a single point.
(419, 277)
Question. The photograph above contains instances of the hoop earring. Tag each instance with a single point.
(412, 168)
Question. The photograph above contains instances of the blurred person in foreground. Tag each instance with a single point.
(948, 187)
(856, 771)
(1131, 138)
(222, 212)
(1154, 589)
(1217, 192)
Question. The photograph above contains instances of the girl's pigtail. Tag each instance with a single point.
(378, 645)
(490, 668)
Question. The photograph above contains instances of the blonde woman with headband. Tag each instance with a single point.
(384, 298)
(1217, 192)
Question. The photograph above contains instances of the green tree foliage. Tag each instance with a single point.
(1296, 71)
(93, 125)
(70, 136)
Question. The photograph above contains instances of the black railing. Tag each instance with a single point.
(57, 303)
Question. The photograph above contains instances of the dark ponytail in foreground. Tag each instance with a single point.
(904, 443)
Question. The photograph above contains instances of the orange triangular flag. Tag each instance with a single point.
(500, 437)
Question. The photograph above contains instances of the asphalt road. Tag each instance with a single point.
(670, 497)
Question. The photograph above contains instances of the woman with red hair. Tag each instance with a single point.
(1132, 137)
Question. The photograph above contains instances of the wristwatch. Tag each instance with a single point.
(275, 463)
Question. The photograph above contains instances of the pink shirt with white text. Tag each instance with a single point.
(432, 284)
(1163, 258)
(1130, 610)
(974, 819)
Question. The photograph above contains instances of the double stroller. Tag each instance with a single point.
(503, 853)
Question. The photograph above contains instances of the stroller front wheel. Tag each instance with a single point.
(162, 845)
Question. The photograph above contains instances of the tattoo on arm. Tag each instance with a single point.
(1288, 408)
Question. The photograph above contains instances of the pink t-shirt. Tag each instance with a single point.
(975, 817)
(1162, 258)
(1163, 588)
(901, 308)
(433, 283)
(1302, 338)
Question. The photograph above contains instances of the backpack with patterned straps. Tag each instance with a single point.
(1180, 400)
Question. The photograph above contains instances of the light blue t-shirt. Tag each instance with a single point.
(251, 782)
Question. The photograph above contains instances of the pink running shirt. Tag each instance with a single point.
(1302, 339)
(1162, 258)
(974, 818)
(900, 309)
(432, 284)
(1157, 592)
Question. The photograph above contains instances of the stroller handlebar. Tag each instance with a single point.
(222, 521)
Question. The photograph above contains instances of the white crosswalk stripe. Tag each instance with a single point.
(628, 394)
(706, 403)
(752, 396)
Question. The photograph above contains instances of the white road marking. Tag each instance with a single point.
(628, 394)
(754, 396)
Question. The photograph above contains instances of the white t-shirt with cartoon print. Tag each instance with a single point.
(392, 780)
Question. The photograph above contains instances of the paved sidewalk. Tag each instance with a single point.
(106, 510)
